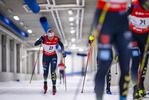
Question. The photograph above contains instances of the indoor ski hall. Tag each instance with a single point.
(74, 49)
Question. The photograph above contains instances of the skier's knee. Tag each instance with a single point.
(135, 49)
(135, 53)
(45, 76)
(54, 61)
(104, 50)
(44, 66)
(104, 54)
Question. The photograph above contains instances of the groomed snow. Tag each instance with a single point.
(24, 91)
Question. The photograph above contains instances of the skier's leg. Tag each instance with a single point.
(135, 55)
(108, 77)
(53, 68)
(141, 43)
(123, 43)
(100, 78)
(45, 66)
(45, 70)
(104, 56)
(141, 84)
(135, 62)
(63, 76)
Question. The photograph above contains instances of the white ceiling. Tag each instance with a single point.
(56, 12)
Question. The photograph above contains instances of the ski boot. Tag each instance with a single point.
(136, 95)
(45, 87)
(108, 91)
(54, 90)
(142, 91)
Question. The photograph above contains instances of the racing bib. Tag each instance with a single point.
(49, 48)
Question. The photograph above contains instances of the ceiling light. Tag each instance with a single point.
(73, 39)
(71, 24)
(29, 31)
(72, 31)
(71, 19)
(16, 17)
(21, 23)
(70, 12)
(71, 28)
(80, 50)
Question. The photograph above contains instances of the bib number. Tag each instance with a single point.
(50, 47)
(142, 22)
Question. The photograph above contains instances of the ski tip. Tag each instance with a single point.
(29, 82)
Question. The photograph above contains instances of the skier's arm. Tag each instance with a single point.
(62, 47)
(129, 10)
(39, 41)
(61, 44)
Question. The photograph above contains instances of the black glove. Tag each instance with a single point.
(41, 38)
(91, 39)
(63, 53)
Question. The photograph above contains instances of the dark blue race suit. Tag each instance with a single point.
(49, 59)
(137, 54)
(115, 30)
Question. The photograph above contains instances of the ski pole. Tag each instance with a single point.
(35, 64)
(65, 75)
(88, 58)
(77, 90)
(116, 59)
(116, 68)
(143, 60)
(96, 33)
